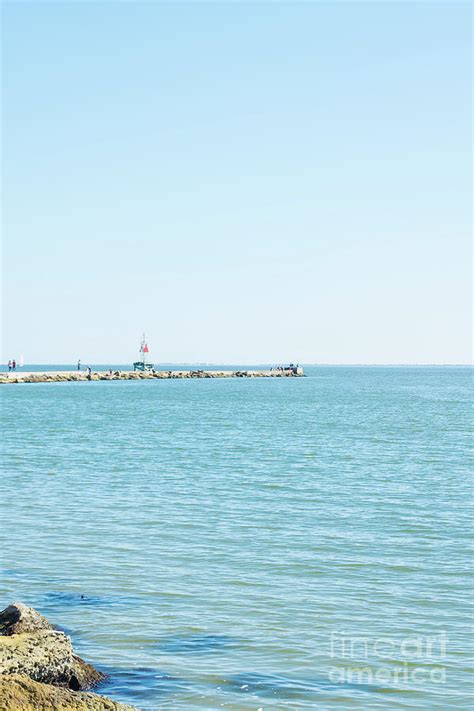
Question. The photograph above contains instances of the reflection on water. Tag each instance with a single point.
(57, 600)
(148, 684)
(196, 644)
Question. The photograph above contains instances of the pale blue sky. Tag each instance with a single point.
(247, 182)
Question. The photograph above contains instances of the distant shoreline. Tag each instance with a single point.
(210, 367)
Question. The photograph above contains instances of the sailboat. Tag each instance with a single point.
(21, 361)
(142, 362)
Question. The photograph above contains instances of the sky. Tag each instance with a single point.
(246, 182)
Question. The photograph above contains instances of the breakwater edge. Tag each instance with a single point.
(59, 376)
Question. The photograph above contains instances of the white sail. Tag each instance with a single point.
(21, 361)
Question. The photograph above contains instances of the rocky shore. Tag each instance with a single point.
(59, 376)
(39, 670)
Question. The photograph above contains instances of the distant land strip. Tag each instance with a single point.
(59, 376)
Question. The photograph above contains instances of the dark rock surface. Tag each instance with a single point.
(18, 618)
(20, 693)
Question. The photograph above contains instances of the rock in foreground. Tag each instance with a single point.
(18, 618)
(19, 692)
(46, 656)
(30, 645)
(37, 659)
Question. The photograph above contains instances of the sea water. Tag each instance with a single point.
(287, 543)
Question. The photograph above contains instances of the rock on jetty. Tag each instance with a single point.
(59, 376)
(39, 670)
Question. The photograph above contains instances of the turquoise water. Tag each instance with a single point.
(249, 544)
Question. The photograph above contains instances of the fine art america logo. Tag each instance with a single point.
(407, 662)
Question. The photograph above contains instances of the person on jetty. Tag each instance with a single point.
(9, 365)
(79, 364)
(13, 364)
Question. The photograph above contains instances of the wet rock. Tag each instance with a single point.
(30, 645)
(46, 656)
(20, 692)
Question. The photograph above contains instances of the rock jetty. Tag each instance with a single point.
(59, 376)
(39, 670)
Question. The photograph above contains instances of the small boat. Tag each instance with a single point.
(142, 363)
(290, 369)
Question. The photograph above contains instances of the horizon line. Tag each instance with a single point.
(263, 363)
